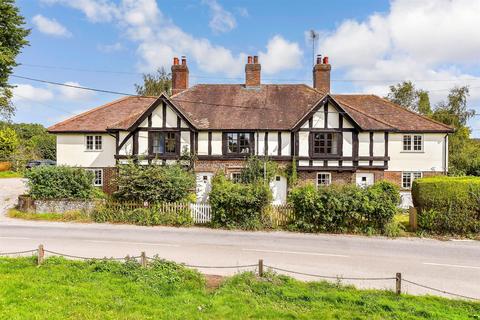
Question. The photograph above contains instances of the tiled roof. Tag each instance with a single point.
(234, 106)
(101, 118)
(380, 114)
(269, 107)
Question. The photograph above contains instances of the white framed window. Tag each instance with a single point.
(97, 177)
(409, 177)
(412, 143)
(324, 179)
(93, 143)
(236, 177)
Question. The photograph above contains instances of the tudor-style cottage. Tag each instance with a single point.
(333, 137)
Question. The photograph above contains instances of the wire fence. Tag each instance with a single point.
(259, 268)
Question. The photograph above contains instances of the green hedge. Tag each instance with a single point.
(448, 204)
(238, 205)
(344, 208)
(50, 182)
(154, 183)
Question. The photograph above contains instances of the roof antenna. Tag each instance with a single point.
(313, 37)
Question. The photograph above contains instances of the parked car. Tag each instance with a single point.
(38, 163)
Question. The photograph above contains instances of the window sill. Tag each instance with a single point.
(94, 150)
(412, 151)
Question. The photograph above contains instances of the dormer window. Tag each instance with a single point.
(324, 144)
(238, 143)
(163, 143)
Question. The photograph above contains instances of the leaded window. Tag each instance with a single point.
(239, 142)
(324, 143)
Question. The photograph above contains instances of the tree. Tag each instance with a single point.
(12, 40)
(464, 154)
(454, 111)
(154, 84)
(8, 143)
(406, 95)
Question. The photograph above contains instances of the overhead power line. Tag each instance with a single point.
(241, 78)
(135, 95)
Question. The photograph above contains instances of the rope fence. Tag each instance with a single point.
(259, 268)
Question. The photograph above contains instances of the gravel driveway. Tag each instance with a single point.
(10, 189)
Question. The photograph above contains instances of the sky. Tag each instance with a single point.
(371, 44)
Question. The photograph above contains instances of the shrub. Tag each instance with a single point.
(138, 214)
(342, 208)
(153, 183)
(49, 182)
(257, 170)
(8, 143)
(448, 205)
(390, 189)
(237, 205)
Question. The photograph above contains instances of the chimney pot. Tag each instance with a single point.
(249, 59)
(319, 59)
(175, 61)
(325, 60)
(184, 61)
(255, 59)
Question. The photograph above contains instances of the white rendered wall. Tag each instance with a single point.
(364, 144)
(286, 141)
(203, 143)
(430, 159)
(303, 144)
(216, 143)
(184, 141)
(347, 147)
(71, 151)
(143, 142)
(378, 144)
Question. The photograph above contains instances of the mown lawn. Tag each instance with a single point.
(10, 174)
(62, 289)
(69, 216)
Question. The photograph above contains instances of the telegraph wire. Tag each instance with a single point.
(241, 78)
(135, 95)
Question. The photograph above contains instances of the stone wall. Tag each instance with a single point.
(25, 203)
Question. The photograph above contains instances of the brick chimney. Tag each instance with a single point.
(321, 74)
(179, 75)
(252, 72)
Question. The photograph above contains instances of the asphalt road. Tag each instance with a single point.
(447, 265)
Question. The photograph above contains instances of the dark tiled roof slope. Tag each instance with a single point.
(269, 107)
(101, 118)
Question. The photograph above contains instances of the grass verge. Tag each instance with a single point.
(10, 174)
(69, 216)
(62, 289)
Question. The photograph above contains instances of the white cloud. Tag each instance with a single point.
(242, 12)
(221, 20)
(109, 48)
(28, 94)
(74, 94)
(159, 39)
(414, 40)
(94, 10)
(23, 92)
(281, 55)
(50, 26)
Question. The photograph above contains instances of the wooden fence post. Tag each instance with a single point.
(398, 282)
(40, 254)
(412, 219)
(143, 259)
(260, 267)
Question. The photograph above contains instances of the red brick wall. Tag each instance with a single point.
(252, 74)
(226, 165)
(337, 176)
(109, 185)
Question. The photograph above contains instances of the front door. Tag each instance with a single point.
(204, 185)
(279, 190)
(364, 179)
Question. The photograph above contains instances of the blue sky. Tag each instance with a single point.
(107, 44)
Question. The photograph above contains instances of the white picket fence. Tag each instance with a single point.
(201, 212)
